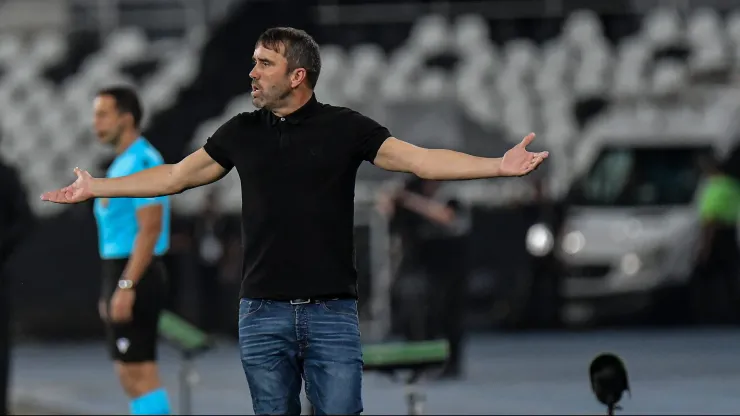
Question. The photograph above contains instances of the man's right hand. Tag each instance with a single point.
(79, 191)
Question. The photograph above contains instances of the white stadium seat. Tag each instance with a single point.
(662, 27)
(10, 48)
(430, 35)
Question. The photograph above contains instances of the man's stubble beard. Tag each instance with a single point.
(271, 104)
(114, 138)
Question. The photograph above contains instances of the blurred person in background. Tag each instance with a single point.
(717, 273)
(431, 284)
(297, 160)
(133, 235)
(15, 222)
(209, 236)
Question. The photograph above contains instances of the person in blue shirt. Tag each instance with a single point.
(134, 234)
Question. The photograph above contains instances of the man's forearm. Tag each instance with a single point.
(156, 181)
(443, 164)
(141, 256)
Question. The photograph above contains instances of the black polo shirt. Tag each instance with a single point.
(298, 185)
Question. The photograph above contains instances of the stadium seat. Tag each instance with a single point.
(592, 76)
(47, 49)
(519, 116)
(9, 146)
(333, 64)
(634, 54)
(180, 68)
(732, 27)
(22, 72)
(159, 95)
(709, 58)
(365, 64)
(704, 26)
(581, 27)
(403, 68)
(40, 94)
(10, 48)
(433, 85)
(335, 71)
(430, 35)
(471, 34)
(482, 108)
(125, 45)
(554, 67)
(476, 72)
(662, 27)
(521, 58)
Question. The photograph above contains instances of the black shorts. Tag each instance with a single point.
(136, 340)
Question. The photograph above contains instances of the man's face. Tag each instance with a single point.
(108, 121)
(270, 78)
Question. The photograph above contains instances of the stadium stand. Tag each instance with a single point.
(464, 82)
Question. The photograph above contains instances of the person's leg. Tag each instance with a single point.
(134, 358)
(270, 356)
(173, 264)
(133, 346)
(453, 320)
(728, 288)
(332, 356)
(208, 295)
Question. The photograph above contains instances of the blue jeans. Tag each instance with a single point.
(282, 344)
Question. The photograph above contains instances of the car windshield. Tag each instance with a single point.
(641, 176)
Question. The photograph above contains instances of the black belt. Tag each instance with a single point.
(306, 301)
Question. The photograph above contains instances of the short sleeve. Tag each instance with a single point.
(712, 202)
(218, 146)
(148, 159)
(369, 135)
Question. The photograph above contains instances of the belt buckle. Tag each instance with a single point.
(300, 301)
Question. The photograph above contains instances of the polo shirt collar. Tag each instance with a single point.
(305, 111)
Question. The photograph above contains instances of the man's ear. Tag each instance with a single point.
(298, 76)
(130, 119)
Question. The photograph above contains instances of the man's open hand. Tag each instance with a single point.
(518, 161)
(79, 191)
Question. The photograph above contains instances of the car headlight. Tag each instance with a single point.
(539, 240)
(631, 264)
(574, 242)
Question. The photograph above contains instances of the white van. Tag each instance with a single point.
(631, 228)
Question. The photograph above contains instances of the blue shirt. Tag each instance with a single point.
(116, 217)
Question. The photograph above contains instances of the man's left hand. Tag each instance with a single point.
(518, 161)
(122, 305)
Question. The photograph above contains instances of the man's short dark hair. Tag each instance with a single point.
(127, 101)
(300, 50)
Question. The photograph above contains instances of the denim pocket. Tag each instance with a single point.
(248, 307)
(341, 306)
